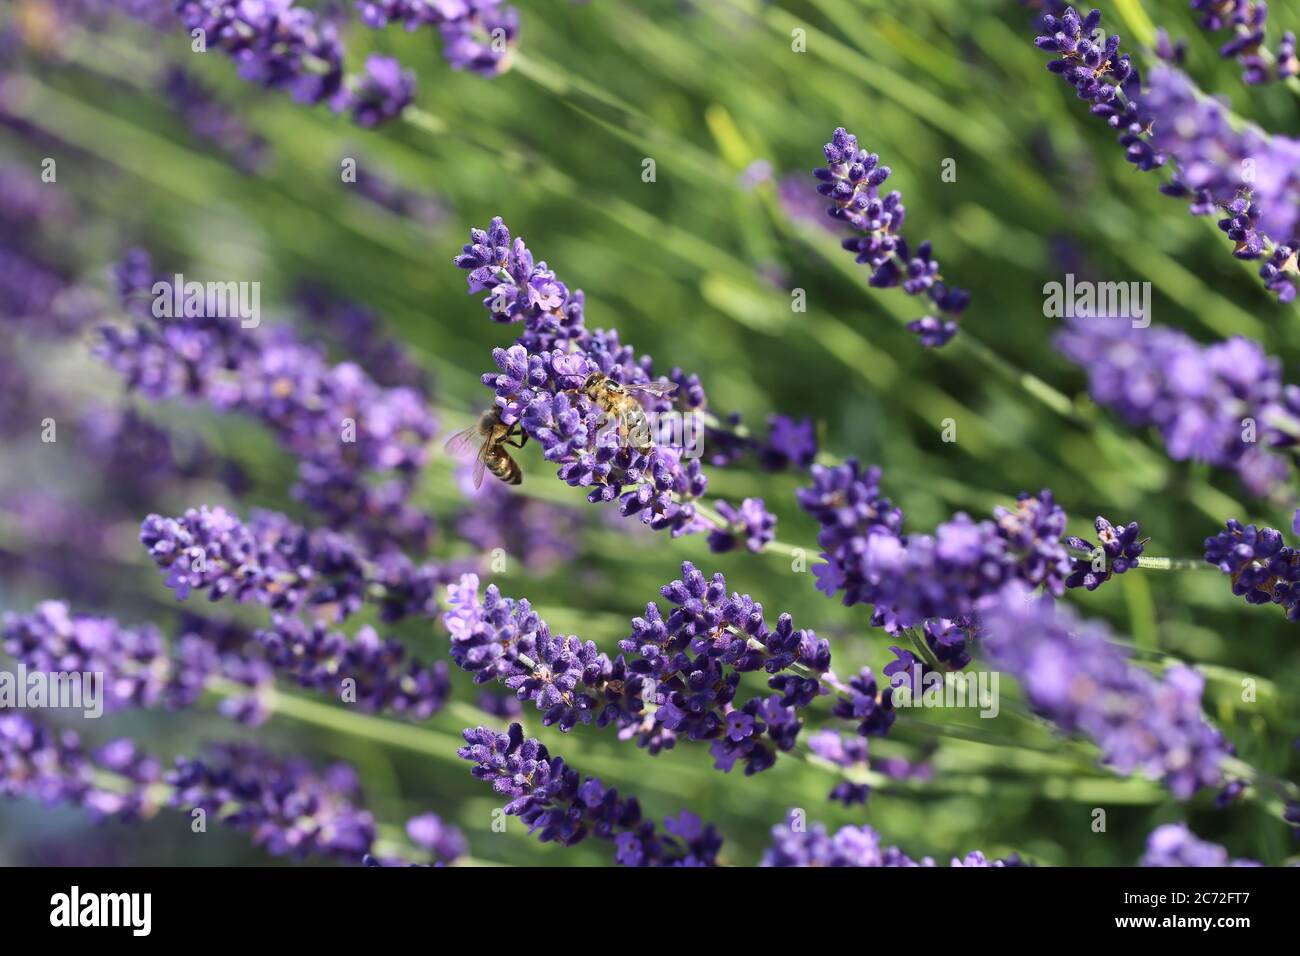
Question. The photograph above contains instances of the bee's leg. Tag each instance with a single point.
(517, 433)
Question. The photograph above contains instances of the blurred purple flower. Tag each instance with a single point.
(1076, 678)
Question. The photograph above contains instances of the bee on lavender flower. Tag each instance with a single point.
(622, 403)
(492, 436)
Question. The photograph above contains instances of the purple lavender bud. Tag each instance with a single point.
(489, 634)
(558, 805)
(910, 578)
(1168, 50)
(549, 382)
(1075, 677)
(283, 805)
(502, 706)
(1288, 64)
(1174, 845)
(1247, 20)
(42, 765)
(789, 444)
(1117, 551)
(812, 846)
(676, 677)
(483, 40)
(846, 502)
(1279, 273)
(850, 753)
(425, 209)
(269, 561)
(933, 332)
(863, 703)
(1251, 176)
(378, 95)
(443, 840)
(135, 662)
(751, 521)
(1230, 794)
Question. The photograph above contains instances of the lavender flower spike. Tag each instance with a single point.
(271, 561)
(1195, 396)
(557, 804)
(1253, 178)
(285, 806)
(1175, 845)
(796, 843)
(677, 676)
(380, 94)
(274, 43)
(1074, 677)
(1248, 21)
(1264, 569)
(478, 35)
(850, 180)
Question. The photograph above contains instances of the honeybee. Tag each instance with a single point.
(492, 436)
(621, 402)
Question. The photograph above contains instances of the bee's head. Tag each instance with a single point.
(593, 384)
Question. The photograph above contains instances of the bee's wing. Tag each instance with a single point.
(480, 465)
(463, 441)
(656, 389)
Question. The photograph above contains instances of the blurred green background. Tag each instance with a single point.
(696, 269)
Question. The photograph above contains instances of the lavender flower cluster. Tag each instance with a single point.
(285, 806)
(676, 677)
(558, 804)
(787, 445)
(274, 43)
(142, 671)
(335, 419)
(542, 384)
(1175, 845)
(1076, 678)
(938, 581)
(1223, 404)
(851, 180)
(477, 35)
(1263, 568)
(1253, 178)
(271, 561)
(1248, 20)
(286, 47)
(794, 843)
